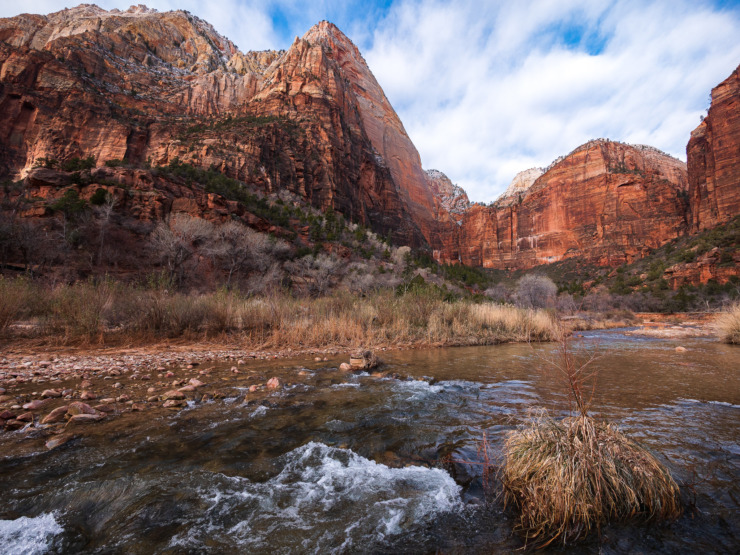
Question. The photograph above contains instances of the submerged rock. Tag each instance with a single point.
(58, 441)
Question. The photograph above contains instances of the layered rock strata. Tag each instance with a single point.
(150, 87)
(713, 156)
(606, 201)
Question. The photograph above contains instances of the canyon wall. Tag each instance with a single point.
(151, 88)
(713, 156)
(606, 202)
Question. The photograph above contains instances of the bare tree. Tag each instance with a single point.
(105, 211)
(317, 273)
(536, 291)
(177, 240)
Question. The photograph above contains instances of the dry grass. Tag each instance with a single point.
(728, 325)
(570, 477)
(15, 296)
(112, 312)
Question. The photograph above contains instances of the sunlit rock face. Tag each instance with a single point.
(606, 202)
(148, 87)
(713, 156)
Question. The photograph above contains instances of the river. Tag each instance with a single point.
(338, 462)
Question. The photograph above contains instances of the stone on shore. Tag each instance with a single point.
(77, 408)
(173, 395)
(57, 415)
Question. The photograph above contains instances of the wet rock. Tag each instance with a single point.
(57, 415)
(152, 399)
(88, 396)
(58, 441)
(173, 403)
(364, 360)
(104, 408)
(14, 424)
(78, 408)
(173, 395)
(6, 415)
(25, 417)
(273, 383)
(253, 388)
(84, 419)
(51, 393)
(37, 404)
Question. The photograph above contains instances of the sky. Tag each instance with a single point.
(486, 89)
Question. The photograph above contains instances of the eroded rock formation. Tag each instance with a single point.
(607, 202)
(713, 156)
(150, 88)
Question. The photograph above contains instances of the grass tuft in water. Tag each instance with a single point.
(728, 325)
(569, 477)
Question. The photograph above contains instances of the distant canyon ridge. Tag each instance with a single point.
(145, 89)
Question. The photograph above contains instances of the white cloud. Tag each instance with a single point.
(487, 92)
(487, 89)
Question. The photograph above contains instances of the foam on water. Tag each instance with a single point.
(27, 535)
(355, 501)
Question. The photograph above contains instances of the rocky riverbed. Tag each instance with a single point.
(53, 398)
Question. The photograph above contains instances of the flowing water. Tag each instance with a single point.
(337, 462)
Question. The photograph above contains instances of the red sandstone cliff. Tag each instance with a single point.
(150, 87)
(713, 156)
(147, 86)
(606, 202)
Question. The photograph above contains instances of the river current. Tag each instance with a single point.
(338, 462)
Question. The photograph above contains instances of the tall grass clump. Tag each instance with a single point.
(569, 477)
(728, 325)
(15, 295)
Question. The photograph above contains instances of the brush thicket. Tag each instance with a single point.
(569, 477)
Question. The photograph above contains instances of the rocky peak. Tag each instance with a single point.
(519, 186)
(177, 38)
(452, 197)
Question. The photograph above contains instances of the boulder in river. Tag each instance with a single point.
(363, 360)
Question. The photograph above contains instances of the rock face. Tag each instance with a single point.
(606, 202)
(519, 186)
(452, 197)
(151, 87)
(713, 156)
